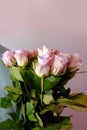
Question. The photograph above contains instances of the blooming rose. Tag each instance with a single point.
(44, 55)
(21, 57)
(8, 58)
(42, 70)
(75, 62)
(59, 64)
(44, 50)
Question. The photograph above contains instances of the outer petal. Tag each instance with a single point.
(21, 57)
(42, 70)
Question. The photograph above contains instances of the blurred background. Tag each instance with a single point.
(60, 24)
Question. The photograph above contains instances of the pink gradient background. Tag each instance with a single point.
(59, 24)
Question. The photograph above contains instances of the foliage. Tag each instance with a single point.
(39, 96)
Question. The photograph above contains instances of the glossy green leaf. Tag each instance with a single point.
(5, 102)
(29, 108)
(31, 79)
(50, 82)
(15, 73)
(32, 117)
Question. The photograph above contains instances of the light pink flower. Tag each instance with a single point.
(42, 70)
(21, 57)
(67, 55)
(44, 50)
(59, 64)
(75, 62)
(45, 55)
(8, 58)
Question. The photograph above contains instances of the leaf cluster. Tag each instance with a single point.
(39, 102)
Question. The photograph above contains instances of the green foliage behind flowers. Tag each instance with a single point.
(38, 92)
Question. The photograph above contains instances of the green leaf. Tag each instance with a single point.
(29, 108)
(79, 97)
(32, 117)
(48, 108)
(6, 125)
(36, 128)
(14, 93)
(66, 124)
(47, 99)
(5, 102)
(15, 73)
(31, 79)
(72, 104)
(33, 93)
(50, 82)
(13, 115)
(17, 84)
(13, 97)
(14, 90)
(39, 120)
(62, 123)
(18, 125)
(11, 125)
(52, 127)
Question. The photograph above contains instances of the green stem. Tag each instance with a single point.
(42, 89)
(23, 112)
(42, 79)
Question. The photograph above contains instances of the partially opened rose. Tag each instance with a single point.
(44, 55)
(21, 57)
(42, 70)
(8, 58)
(59, 65)
(75, 62)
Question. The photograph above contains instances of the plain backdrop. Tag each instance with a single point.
(61, 24)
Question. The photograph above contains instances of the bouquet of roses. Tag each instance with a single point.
(38, 93)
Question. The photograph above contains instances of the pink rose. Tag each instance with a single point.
(67, 55)
(45, 55)
(42, 70)
(59, 64)
(21, 57)
(75, 62)
(8, 58)
(44, 50)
